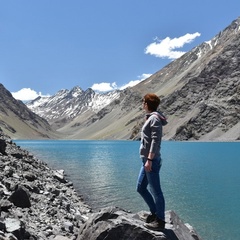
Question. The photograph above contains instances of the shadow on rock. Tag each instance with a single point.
(114, 223)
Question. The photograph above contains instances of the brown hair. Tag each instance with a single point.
(152, 101)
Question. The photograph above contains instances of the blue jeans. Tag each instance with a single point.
(153, 197)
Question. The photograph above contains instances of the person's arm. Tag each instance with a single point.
(151, 156)
(155, 138)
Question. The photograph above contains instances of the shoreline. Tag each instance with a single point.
(38, 202)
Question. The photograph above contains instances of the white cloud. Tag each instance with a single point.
(104, 87)
(166, 48)
(26, 94)
(135, 82)
(130, 84)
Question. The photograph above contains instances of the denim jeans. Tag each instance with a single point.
(153, 197)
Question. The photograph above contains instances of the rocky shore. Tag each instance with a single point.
(37, 202)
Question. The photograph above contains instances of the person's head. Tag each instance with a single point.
(152, 101)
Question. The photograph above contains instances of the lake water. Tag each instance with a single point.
(200, 180)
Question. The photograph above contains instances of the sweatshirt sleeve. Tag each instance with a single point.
(156, 133)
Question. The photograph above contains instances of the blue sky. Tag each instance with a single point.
(49, 45)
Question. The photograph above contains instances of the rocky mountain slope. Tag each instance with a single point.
(65, 105)
(208, 104)
(18, 121)
(199, 91)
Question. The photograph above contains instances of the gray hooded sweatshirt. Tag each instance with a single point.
(151, 134)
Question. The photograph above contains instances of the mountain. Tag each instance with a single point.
(205, 103)
(199, 95)
(61, 108)
(18, 121)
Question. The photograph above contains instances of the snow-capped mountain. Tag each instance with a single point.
(65, 105)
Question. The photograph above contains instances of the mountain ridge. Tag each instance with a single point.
(66, 104)
(18, 121)
(199, 95)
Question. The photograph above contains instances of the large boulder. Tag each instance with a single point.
(20, 198)
(114, 223)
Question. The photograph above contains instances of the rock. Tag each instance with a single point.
(20, 198)
(17, 155)
(15, 227)
(2, 225)
(5, 205)
(12, 224)
(68, 226)
(30, 177)
(181, 230)
(60, 238)
(59, 175)
(113, 223)
(3, 147)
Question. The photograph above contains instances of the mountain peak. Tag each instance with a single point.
(65, 105)
(76, 91)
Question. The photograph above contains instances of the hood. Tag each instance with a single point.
(159, 115)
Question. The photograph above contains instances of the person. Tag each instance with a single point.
(149, 176)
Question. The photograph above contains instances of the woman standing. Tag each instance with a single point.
(151, 136)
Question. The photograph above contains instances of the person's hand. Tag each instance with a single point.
(148, 166)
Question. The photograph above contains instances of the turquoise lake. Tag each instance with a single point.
(200, 180)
